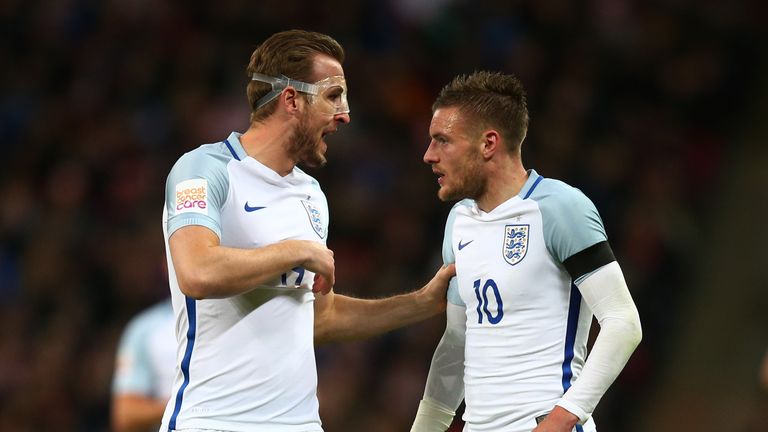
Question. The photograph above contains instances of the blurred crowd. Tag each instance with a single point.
(634, 102)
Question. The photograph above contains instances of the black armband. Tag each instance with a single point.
(590, 259)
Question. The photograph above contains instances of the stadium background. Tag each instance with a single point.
(655, 109)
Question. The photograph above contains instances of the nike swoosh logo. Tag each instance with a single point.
(251, 209)
(462, 246)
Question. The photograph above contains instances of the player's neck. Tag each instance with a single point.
(504, 182)
(267, 142)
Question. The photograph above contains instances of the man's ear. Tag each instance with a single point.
(491, 143)
(289, 99)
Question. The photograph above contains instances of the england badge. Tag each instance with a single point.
(314, 218)
(515, 243)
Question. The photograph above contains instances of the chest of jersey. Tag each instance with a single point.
(505, 272)
(259, 213)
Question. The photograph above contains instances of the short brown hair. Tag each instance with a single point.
(489, 99)
(288, 53)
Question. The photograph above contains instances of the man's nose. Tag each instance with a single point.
(429, 157)
(342, 118)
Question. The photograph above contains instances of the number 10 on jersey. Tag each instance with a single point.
(482, 301)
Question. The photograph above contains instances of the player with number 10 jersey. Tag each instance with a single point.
(519, 298)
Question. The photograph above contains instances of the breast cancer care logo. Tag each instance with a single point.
(315, 218)
(515, 243)
(192, 196)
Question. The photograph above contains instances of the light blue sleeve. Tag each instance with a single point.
(133, 368)
(571, 221)
(450, 258)
(207, 166)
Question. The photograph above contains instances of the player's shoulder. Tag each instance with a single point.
(209, 161)
(150, 318)
(462, 206)
(210, 155)
(160, 311)
(558, 194)
(306, 178)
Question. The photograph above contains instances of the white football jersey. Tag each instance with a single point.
(526, 323)
(247, 362)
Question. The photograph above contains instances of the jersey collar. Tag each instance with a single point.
(234, 142)
(533, 177)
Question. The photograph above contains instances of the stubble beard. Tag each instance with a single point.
(471, 181)
(304, 146)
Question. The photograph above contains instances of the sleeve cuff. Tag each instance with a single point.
(432, 416)
(178, 223)
(575, 410)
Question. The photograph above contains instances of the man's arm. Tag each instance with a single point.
(445, 383)
(343, 318)
(135, 412)
(608, 297)
(205, 269)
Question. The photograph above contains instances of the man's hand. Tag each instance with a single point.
(559, 420)
(433, 293)
(320, 261)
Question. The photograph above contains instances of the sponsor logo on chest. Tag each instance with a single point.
(515, 243)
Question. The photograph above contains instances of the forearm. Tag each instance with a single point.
(608, 297)
(230, 271)
(444, 390)
(445, 381)
(341, 318)
(351, 318)
(611, 351)
(205, 269)
(131, 413)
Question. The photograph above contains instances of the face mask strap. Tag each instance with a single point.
(280, 84)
